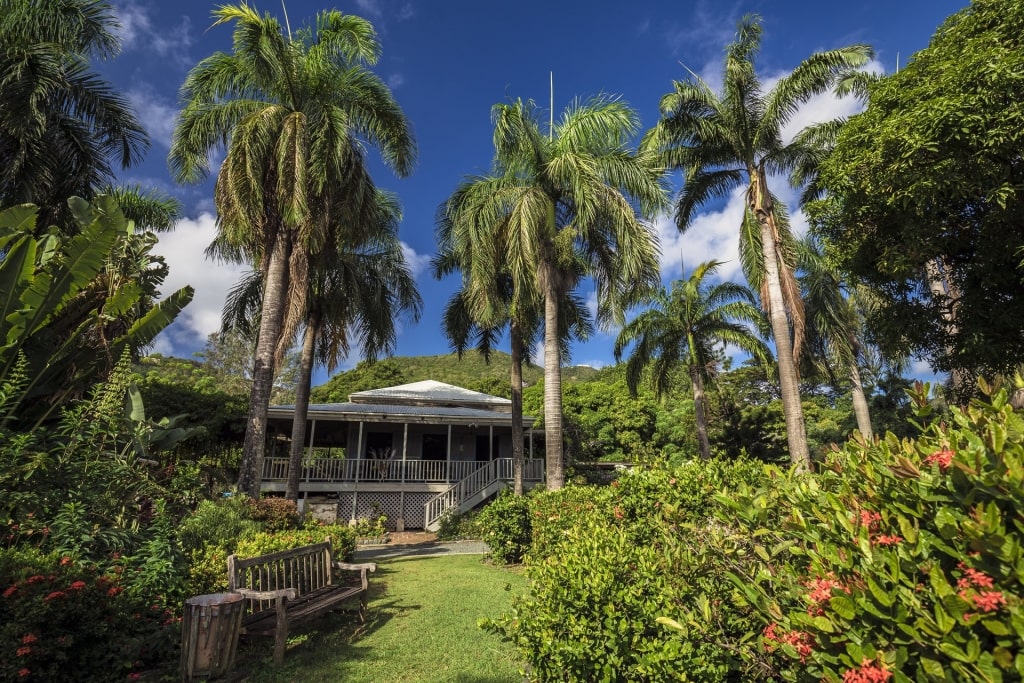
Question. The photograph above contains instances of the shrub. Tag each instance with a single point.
(371, 527)
(217, 522)
(61, 618)
(505, 523)
(901, 560)
(607, 562)
(275, 514)
(455, 526)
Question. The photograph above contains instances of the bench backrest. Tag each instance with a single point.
(305, 569)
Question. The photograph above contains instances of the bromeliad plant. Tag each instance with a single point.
(900, 561)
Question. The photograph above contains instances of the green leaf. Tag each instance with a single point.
(843, 606)
(933, 669)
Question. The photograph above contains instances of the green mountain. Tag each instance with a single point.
(471, 372)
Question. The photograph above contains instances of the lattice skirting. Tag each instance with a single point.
(371, 504)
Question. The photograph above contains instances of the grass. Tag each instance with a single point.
(421, 627)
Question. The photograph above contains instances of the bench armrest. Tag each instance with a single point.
(361, 568)
(267, 595)
(368, 566)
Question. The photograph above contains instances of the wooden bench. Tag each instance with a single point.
(290, 587)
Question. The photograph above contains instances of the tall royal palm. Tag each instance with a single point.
(686, 327)
(288, 110)
(487, 302)
(570, 201)
(735, 139)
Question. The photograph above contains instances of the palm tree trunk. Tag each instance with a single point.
(271, 315)
(860, 402)
(516, 338)
(789, 380)
(699, 414)
(291, 491)
(555, 466)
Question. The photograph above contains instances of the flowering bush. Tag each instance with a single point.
(62, 620)
(900, 560)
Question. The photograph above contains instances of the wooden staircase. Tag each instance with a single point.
(476, 487)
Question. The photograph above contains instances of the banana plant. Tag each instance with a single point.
(46, 316)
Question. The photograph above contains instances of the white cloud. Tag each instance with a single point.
(370, 7)
(137, 32)
(537, 357)
(406, 12)
(711, 235)
(156, 116)
(183, 250)
(395, 81)
(417, 262)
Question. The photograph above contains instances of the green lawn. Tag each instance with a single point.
(421, 627)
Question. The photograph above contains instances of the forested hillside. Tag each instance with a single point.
(472, 371)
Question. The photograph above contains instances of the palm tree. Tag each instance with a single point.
(833, 325)
(567, 203)
(736, 139)
(294, 114)
(486, 304)
(62, 128)
(357, 291)
(356, 294)
(685, 327)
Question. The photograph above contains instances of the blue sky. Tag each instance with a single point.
(449, 61)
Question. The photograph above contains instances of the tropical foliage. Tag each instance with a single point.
(688, 327)
(928, 208)
(62, 313)
(557, 207)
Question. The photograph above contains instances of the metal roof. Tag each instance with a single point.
(429, 392)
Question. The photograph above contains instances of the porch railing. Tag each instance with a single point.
(430, 471)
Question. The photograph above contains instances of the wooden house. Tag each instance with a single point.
(411, 452)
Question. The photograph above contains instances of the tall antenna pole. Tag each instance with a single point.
(286, 23)
(897, 62)
(551, 111)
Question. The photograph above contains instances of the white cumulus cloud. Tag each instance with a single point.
(183, 250)
(417, 262)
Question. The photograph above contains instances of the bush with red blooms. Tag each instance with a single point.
(64, 620)
(898, 561)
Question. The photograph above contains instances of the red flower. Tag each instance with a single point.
(114, 591)
(618, 512)
(37, 577)
(23, 672)
(22, 651)
(941, 458)
(77, 586)
(28, 639)
(65, 561)
(988, 601)
(869, 672)
(888, 540)
(54, 595)
(10, 591)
